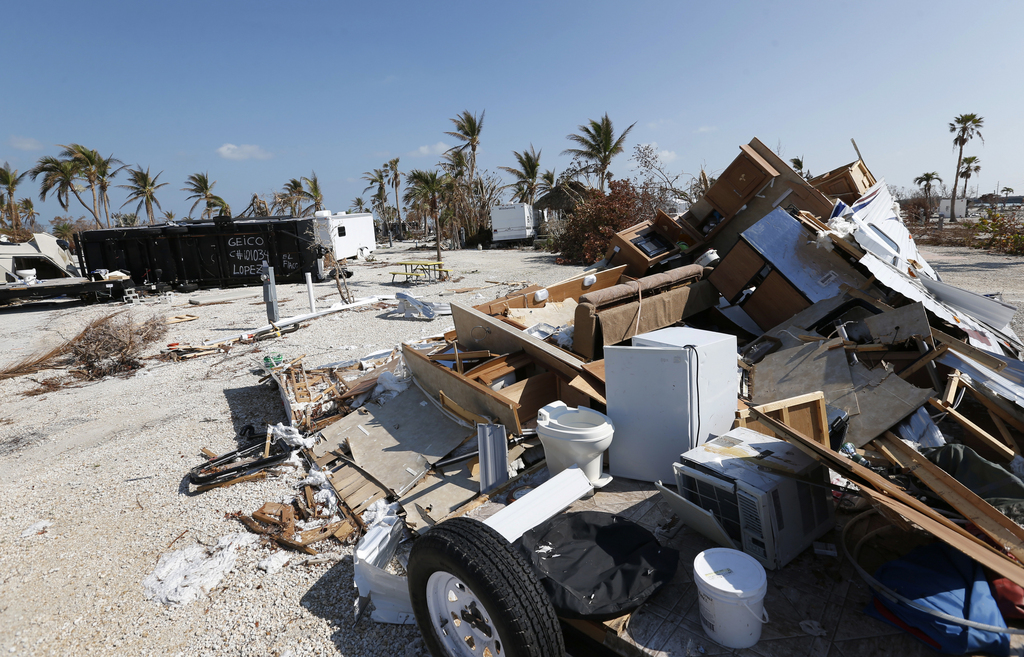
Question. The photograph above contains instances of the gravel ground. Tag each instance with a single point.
(106, 463)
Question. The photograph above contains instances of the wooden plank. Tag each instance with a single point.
(1004, 432)
(922, 361)
(951, 387)
(582, 385)
(464, 355)
(988, 443)
(986, 518)
(570, 288)
(896, 499)
(532, 394)
(985, 358)
(596, 368)
(985, 401)
(452, 407)
(967, 544)
(177, 319)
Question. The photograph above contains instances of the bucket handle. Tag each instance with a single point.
(764, 613)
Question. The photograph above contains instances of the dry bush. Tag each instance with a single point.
(113, 346)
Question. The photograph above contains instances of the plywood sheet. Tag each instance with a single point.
(795, 371)
(899, 325)
(884, 399)
(397, 442)
(555, 313)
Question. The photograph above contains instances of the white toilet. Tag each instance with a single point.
(575, 436)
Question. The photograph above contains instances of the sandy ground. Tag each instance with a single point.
(106, 463)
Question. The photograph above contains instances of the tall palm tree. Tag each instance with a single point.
(467, 130)
(313, 194)
(525, 181)
(598, 145)
(290, 198)
(9, 180)
(427, 187)
(971, 167)
(1006, 191)
(358, 204)
(378, 179)
(200, 188)
(59, 176)
(90, 164)
(926, 180)
(64, 230)
(395, 178)
(142, 188)
(547, 182)
(964, 128)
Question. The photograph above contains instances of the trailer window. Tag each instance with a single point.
(341, 231)
(885, 238)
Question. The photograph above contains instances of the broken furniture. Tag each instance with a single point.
(617, 313)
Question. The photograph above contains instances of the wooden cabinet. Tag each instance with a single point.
(740, 181)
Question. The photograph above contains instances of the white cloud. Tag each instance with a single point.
(436, 149)
(666, 157)
(660, 123)
(706, 128)
(242, 152)
(25, 143)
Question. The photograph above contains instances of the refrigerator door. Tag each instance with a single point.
(649, 392)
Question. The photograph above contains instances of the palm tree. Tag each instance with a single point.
(467, 130)
(64, 230)
(358, 204)
(142, 188)
(547, 183)
(427, 187)
(9, 180)
(971, 167)
(59, 176)
(313, 194)
(526, 175)
(598, 145)
(89, 165)
(379, 178)
(798, 165)
(926, 180)
(201, 189)
(168, 216)
(395, 178)
(28, 211)
(1006, 193)
(106, 173)
(290, 197)
(964, 128)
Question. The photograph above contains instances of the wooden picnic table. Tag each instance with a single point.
(419, 268)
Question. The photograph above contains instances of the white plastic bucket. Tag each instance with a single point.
(730, 587)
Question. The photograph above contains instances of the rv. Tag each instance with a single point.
(44, 255)
(513, 221)
(349, 235)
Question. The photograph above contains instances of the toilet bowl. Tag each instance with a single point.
(575, 436)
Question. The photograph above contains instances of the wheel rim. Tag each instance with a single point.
(460, 621)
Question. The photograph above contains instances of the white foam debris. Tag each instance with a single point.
(184, 575)
(37, 528)
(275, 562)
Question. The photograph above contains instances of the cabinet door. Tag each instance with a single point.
(739, 182)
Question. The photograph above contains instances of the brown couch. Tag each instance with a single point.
(610, 316)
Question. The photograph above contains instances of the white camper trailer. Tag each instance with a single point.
(350, 235)
(43, 255)
(513, 221)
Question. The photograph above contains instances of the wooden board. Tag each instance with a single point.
(985, 358)
(984, 443)
(986, 518)
(806, 414)
(532, 394)
(465, 392)
(774, 301)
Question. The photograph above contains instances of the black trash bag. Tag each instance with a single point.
(597, 565)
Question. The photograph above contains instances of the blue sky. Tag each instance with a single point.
(259, 92)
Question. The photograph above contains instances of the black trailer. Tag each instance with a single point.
(223, 252)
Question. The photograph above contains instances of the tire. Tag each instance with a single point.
(461, 565)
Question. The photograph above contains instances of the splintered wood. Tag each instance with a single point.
(278, 523)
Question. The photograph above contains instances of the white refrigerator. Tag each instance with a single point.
(673, 389)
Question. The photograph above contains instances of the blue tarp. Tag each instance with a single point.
(941, 578)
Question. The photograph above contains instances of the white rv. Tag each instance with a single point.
(43, 255)
(513, 221)
(349, 235)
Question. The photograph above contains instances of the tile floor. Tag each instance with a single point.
(811, 587)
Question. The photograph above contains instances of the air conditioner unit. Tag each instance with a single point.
(768, 496)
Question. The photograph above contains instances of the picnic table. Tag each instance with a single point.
(416, 269)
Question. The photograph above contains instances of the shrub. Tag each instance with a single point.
(586, 232)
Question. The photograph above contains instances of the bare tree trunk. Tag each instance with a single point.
(952, 196)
